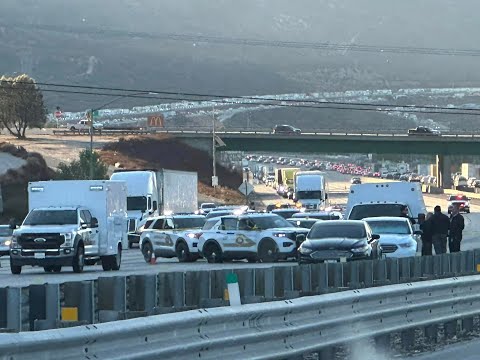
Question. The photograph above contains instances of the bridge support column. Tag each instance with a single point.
(444, 168)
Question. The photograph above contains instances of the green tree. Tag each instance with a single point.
(80, 169)
(21, 105)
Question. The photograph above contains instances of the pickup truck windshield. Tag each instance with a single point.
(137, 203)
(51, 217)
(360, 212)
(309, 195)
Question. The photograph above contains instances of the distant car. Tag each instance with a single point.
(205, 208)
(462, 201)
(355, 180)
(338, 241)
(396, 236)
(5, 239)
(285, 213)
(319, 215)
(286, 129)
(84, 125)
(423, 130)
(305, 223)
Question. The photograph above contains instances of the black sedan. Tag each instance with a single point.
(338, 241)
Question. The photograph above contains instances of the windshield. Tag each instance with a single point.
(208, 206)
(360, 212)
(5, 231)
(342, 230)
(307, 224)
(189, 223)
(309, 195)
(270, 222)
(285, 213)
(137, 203)
(390, 227)
(51, 217)
(213, 214)
(457, 198)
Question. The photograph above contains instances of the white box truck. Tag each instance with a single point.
(310, 189)
(156, 192)
(72, 223)
(384, 199)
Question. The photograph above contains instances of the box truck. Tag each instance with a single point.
(156, 192)
(310, 189)
(72, 223)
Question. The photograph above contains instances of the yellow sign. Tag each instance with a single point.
(478, 267)
(156, 121)
(69, 314)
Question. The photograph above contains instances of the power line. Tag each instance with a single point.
(255, 42)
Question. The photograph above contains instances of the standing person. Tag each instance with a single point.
(404, 213)
(440, 226)
(457, 224)
(426, 227)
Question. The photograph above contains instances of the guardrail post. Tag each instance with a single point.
(450, 329)
(467, 325)
(111, 298)
(322, 272)
(367, 267)
(431, 333)
(437, 266)
(394, 274)
(428, 264)
(269, 282)
(455, 264)
(417, 267)
(446, 270)
(3, 308)
(405, 270)
(246, 282)
(382, 343)
(326, 353)
(197, 287)
(466, 262)
(14, 309)
(306, 273)
(476, 261)
(408, 338)
(37, 307)
(335, 275)
(380, 275)
(354, 282)
(178, 290)
(142, 293)
(80, 295)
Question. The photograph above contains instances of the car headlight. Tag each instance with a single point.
(304, 250)
(7, 243)
(68, 239)
(360, 249)
(406, 245)
(279, 235)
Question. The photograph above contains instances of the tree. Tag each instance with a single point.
(21, 105)
(80, 169)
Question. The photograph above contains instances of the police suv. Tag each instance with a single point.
(256, 237)
(172, 236)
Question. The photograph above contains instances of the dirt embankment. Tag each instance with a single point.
(14, 182)
(162, 151)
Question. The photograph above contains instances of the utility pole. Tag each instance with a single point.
(214, 147)
(91, 144)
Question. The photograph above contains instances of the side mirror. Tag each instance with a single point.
(300, 238)
(83, 226)
(94, 223)
(155, 206)
(375, 236)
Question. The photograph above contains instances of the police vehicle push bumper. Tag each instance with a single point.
(57, 257)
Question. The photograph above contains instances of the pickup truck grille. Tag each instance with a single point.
(34, 241)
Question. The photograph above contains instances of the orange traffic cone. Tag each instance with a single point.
(153, 259)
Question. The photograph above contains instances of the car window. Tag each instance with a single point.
(210, 224)
(189, 223)
(341, 230)
(158, 224)
(169, 224)
(147, 224)
(390, 227)
(87, 216)
(360, 212)
(229, 224)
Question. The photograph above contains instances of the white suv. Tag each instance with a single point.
(257, 236)
(172, 236)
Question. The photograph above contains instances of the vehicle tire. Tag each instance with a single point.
(106, 263)
(56, 268)
(48, 269)
(252, 259)
(15, 269)
(213, 253)
(147, 250)
(130, 245)
(72, 128)
(116, 260)
(267, 251)
(79, 259)
(183, 254)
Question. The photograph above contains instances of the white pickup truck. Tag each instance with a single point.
(72, 223)
(84, 125)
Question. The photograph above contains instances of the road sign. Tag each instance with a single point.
(214, 181)
(58, 114)
(219, 142)
(156, 121)
(246, 188)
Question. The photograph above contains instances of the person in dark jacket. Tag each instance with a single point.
(440, 226)
(426, 227)
(457, 224)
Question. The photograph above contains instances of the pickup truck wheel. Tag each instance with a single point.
(183, 254)
(48, 269)
(79, 260)
(147, 251)
(117, 259)
(252, 259)
(106, 263)
(130, 245)
(267, 251)
(15, 269)
(213, 253)
(56, 268)
(72, 128)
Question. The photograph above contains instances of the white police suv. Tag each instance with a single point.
(261, 237)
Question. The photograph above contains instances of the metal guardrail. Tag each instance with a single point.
(275, 330)
(37, 307)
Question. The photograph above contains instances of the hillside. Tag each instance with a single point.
(132, 44)
(167, 152)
